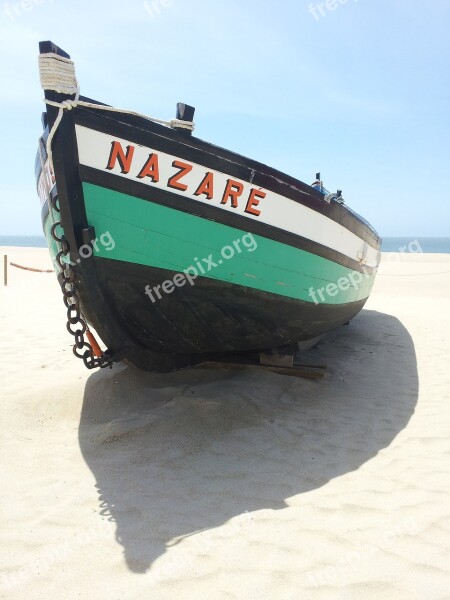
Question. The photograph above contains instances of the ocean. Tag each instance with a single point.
(390, 244)
(27, 241)
(429, 245)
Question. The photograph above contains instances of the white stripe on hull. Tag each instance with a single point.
(94, 150)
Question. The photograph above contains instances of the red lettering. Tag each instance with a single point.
(206, 186)
(253, 200)
(151, 168)
(174, 181)
(124, 159)
(233, 190)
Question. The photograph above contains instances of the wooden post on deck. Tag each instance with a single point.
(5, 269)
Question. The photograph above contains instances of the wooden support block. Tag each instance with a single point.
(305, 371)
(276, 360)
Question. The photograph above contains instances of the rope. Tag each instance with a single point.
(58, 74)
(69, 104)
(31, 269)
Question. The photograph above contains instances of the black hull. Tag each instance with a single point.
(207, 321)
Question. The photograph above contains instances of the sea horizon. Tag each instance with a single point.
(418, 244)
(411, 244)
(25, 241)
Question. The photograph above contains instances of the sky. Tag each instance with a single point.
(356, 89)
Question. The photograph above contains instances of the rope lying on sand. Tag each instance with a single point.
(31, 269)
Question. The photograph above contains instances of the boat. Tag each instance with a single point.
(176, 251)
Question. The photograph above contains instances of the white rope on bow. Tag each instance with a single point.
(58, 74)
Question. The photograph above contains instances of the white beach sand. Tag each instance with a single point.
(230, 485)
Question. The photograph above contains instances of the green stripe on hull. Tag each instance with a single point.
(149, 234)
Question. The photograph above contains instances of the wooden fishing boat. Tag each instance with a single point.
(177, 251)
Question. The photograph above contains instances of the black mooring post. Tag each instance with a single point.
(185, 113)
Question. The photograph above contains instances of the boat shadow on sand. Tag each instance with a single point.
(177, 454)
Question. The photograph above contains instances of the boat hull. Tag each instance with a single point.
(172, 271)
(211, 317)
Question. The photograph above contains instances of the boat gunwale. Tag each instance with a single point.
(209, 155)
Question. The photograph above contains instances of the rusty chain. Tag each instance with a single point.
(76, 323)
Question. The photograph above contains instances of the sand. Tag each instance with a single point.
(222, 484)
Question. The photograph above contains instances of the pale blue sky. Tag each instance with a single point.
(361, 92)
